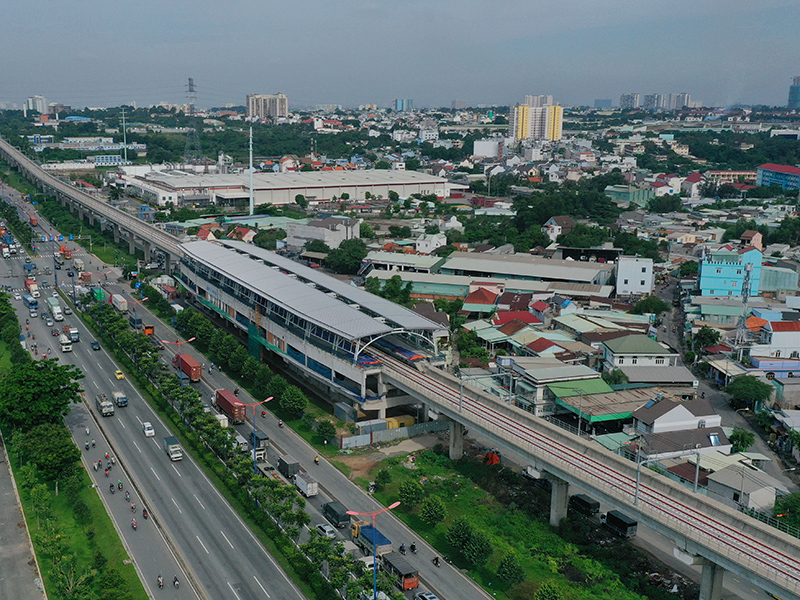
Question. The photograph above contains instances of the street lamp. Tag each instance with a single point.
(374, 542)
(255, 466)
(135, 320)
(580, 409)
(178, 356)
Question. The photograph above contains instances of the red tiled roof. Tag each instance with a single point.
(780, 168)
(540, 345)
(481, 296)
(539, 305)
(694, 177)
(506, 316)
(784, 325)
(718, 349)
(513, 327)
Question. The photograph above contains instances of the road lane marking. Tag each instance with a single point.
(261, 586)
(154, 473)
(176, 470)
(233, 590)
(201, 543)
(95, 385)
(198, 501)
(137, 447)
(178, 507)
(227, 540)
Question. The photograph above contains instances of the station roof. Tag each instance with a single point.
(525, 265)
(395, 315)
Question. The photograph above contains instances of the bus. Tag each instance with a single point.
(30, 302)
(55, 308)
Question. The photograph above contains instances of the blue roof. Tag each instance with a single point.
(80, 119)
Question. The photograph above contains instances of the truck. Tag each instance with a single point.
(30, 285)
(260, 442)
(336, 513)
(118, 302)
(148, 329)
(619, 523)
(72, 332)
(66, 252)
(404, 575)
(78, 264)
(34, 221)
(55, 309)
(307, 485)
(367, 537)
(6, 251)
(188, 365)
(65, 343)
(288, 466)
(120, 398)
(583, 504)
(135, 322)
(173, 448)
(226, 402)
(29, 268)
(104, 405)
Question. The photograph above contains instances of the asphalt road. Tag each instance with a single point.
(218, 552)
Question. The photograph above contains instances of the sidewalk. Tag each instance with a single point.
(20, 577)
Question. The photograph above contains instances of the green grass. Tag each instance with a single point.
(99, 535)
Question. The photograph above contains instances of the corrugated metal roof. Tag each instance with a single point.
(525, 265)
(295, 296)
(393, 313)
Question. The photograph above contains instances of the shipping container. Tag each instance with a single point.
(229, 404)
(400, 421)
(363, 427)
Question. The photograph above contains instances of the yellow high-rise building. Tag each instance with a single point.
(536, 122)
(520, 122)
(555, 120)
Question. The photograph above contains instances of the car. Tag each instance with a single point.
(58, 267)
(34, 314)
(55, 332)
(148, 430)
(27, 260)
(326, 530)
(119, 374)
(17, 297)
(67, 310)
(95, 345)
(49, 322)
(425, 596)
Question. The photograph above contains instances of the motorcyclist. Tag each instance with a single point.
(133, 523)
(119, 484)
(316, 460)
(175, 581)
(111, 487)
(133, 506)
(160, 582)
(280, 424)
(145, 514)
(436, 560)
(127, 496)
(402, 548)
(413, 548)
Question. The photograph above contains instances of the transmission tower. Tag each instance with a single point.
(193, 154)
(742, 331)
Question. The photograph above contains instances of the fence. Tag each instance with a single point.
(388, 435)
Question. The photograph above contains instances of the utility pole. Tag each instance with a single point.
(124, 137)
(252, 200)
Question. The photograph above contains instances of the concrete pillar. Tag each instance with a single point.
(382, 412)
(167, 265)
(147, 252)
(456, 440)
(711, 581)
(116, 233)
(559, 496)
(132, 244)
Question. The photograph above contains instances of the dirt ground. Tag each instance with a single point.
(361, 464)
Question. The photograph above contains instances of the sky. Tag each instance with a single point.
(352, 52)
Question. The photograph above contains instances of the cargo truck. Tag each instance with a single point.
(65, 343)
(173, 448)
(72, 332)
(30, 285)
(619, 523)
(188, 365)
(6, 251)
(400, 571)
(29, 268)
(66, 252)
(104, 405)
(135, 322)
(365, 536)
(583, 504)
(55, 309)
(34, 221)
(120, 399)
(288, 466)
(225, 401)
(336, 513)
(307, 485)
(260, 443)
(78, 264)
(118, 302)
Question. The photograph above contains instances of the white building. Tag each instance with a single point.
(428, 135)
(634, 276)
(664, 414)
(427, 243)
(639, 350)
(37, 103)
(488, 148)
(332, 231)
(263, 106)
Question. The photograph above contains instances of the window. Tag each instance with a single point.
(795, 354)
(620, 361)
(641, 282)
(777, 353)
(644, 269)
(634, 360)
(738, 271)
(625, 281)
(701, 424)
(736, 496)
(714, 439)
(719, 271)
(659, 361)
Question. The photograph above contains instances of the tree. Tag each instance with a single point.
(383, 165)
(510, 570)
(382, 479)
(705, 337)
(50, 447)
(394, 196)
(650, 305)
(615, 377)
(326, 429)
(478, 549)
(301, 201)
(747, 390)
(459, 533)
(433, 510)
(317, 246)
(366, 232)
(690, 267)
(741, 439)
(38, 392)
(293, 400)
(347, 258)
(547, 591)
(410, 492)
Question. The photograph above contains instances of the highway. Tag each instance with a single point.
(218, 552)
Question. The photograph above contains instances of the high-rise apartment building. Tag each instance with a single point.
(682, 99)
(37, 103)
(519, 122)
(629, 101)
(603, 103)
(459, 104)
(794, 94)
(536, 123)
(403, 104)
(538, 101)
(555, 122)
(263, 106)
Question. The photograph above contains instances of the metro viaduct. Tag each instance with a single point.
(124, 226)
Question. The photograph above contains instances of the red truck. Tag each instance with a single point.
(188, 365)
(66, 252)
(228, 403)
(34, 221)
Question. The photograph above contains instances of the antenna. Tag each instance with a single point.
(741, 330)
(193, 153)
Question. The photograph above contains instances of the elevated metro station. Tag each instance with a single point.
(325, 330)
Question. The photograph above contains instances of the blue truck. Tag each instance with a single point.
(367, 537)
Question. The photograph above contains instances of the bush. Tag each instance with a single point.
(433, 510)
(410, 493)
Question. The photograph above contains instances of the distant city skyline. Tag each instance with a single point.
(357, 52)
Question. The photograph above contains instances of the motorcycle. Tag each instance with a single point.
(403, 549)
(413, 548)
(133, 524)
(111, 489)
(435, 561)
(119, 485)
(316, 460)
(280, 424)
(160, 582)
(133, 507)
(175, 582)
(145, 514)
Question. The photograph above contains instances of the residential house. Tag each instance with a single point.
(723, 271)
(244, 234)
(637, 349)
(740, 486)
(752, 238)
(555, 226)
(330, 230)
(428, 242)
(663, 414)
(634, 276)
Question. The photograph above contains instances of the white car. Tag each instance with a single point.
(326, 530)
(55, 292)
(148, 429)
(425, 596)
(17, 297)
